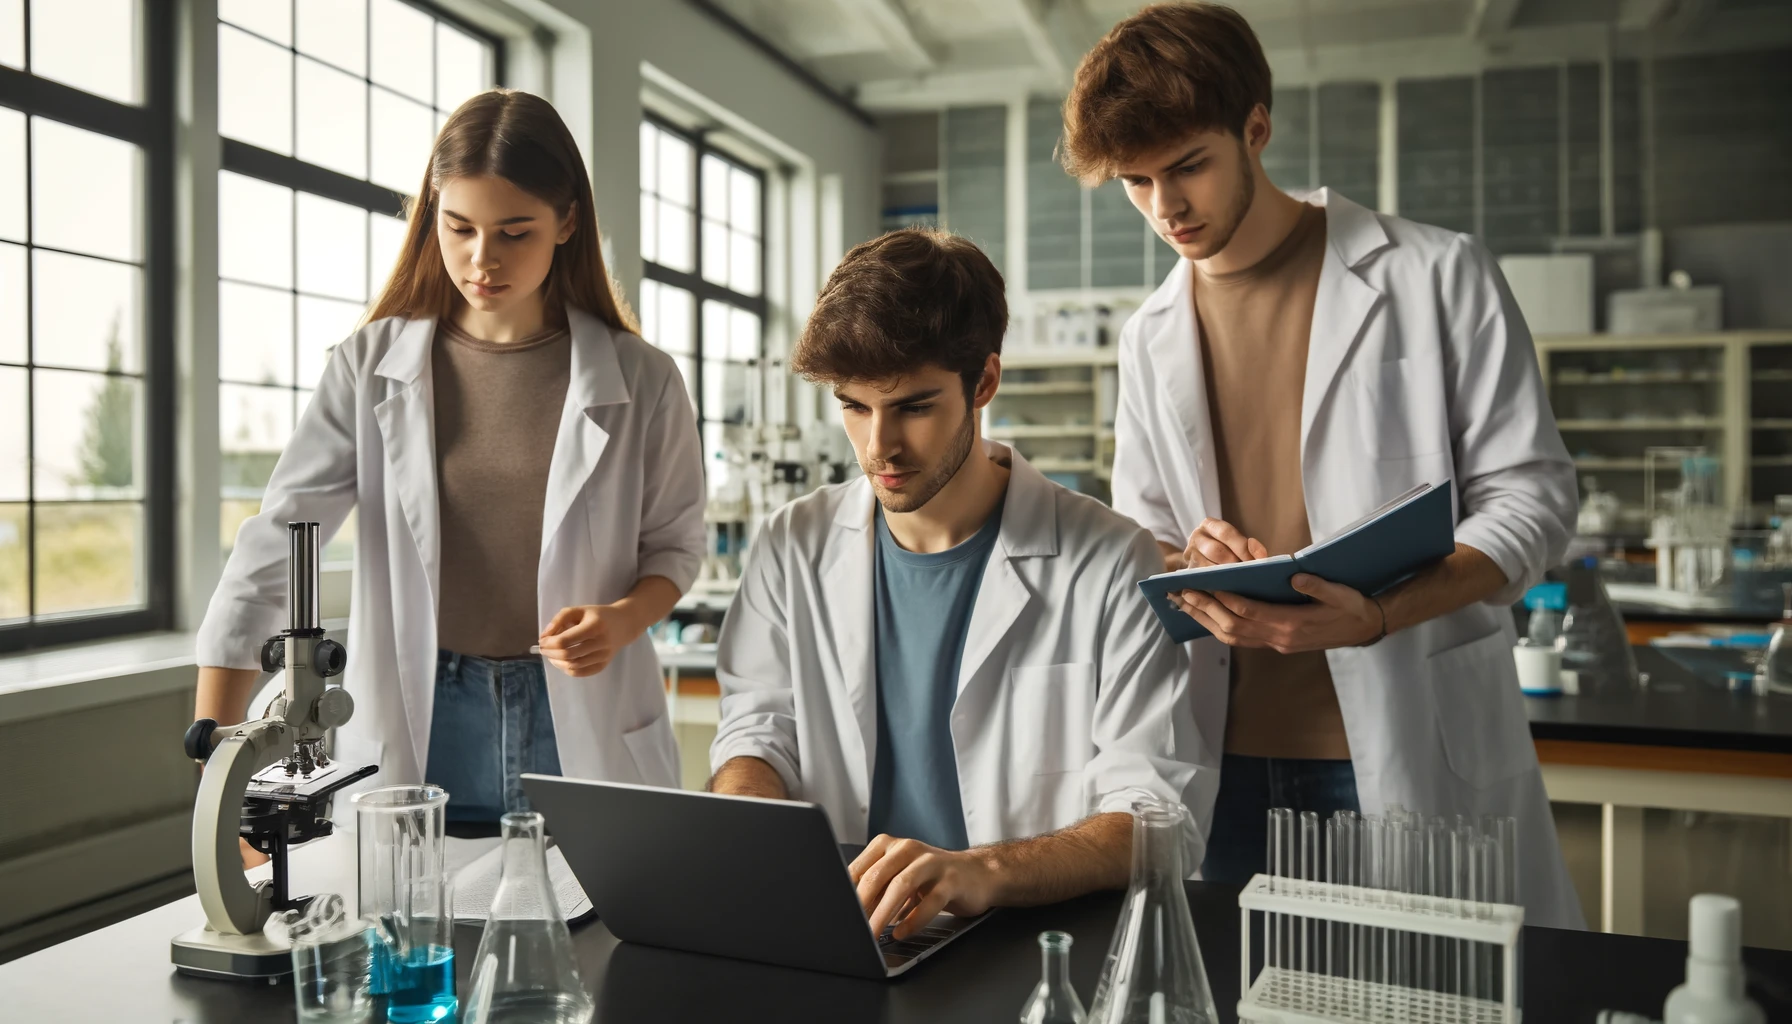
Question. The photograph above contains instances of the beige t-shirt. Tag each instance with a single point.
(1255, 325)
(497, 414)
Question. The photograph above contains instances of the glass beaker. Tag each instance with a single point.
(331, 955)
(525, 971)
(403, 886)
(1054, 999)
(1154, 973)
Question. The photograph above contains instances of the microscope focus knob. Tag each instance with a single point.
(273, 654)
(198, 740)
(330, 658)
(333, 708)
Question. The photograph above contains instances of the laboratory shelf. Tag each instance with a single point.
(1773, 460)
(1772, 424)
(1024, 430)
(1064, 465)
(1639, 377)
(1591, 462)
(1048, 358)
(1049, 387)
(1660, 423)
(1771, 375)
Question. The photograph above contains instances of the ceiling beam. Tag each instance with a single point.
(898, 29)
(1058, 32)
(1491, 17)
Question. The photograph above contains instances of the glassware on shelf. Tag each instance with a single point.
(1054, 999)
(1154, 973)
(525, 971)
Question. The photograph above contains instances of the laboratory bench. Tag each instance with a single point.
(122, 973)
(1680, 745)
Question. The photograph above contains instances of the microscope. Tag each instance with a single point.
(267, 781)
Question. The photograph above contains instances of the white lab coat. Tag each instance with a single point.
(1420, 370)
(625, 497)
(1070, 697)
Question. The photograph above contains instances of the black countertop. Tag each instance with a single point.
(1676, 710)
(122, 973)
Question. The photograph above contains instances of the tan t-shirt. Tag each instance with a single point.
(1255, 324)
(497, 414)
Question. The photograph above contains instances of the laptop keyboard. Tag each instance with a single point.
(916, 944)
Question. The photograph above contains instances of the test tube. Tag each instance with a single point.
(1309, 870)
(1281, 844)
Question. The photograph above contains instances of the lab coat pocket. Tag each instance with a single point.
(655, 751)
(1395, 403)
(1050, 707)
(1486, 737)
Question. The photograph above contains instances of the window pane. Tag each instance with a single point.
(402, 133)
(89, 556)
(84, 191)
(254, 334)
(332, 118)
(89, 44)
(12, 37)
(86, 434)
(385, 239)
(743, 335)
(323, 324)
(332, 248)
(715, 329)
(461, 67)
(86, 313)
(650, 310)
(12, 174)
(675, 169)
(254, 91)
(677, 321)
(402, 48)
(270, 18)
(13, 463)
(715, 251)
(724, 391)
(232, 512)
(743, 201)
(14, 603)
(650, 228)
(254, 230)
(253, 425)
(715, 454)
(674, 231)
(650, 148)
(743, 263)
(12, 303)
(715, 188)
(335, 31)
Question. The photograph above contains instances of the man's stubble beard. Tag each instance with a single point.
(949, 466)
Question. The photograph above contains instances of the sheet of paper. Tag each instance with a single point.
(477, 883)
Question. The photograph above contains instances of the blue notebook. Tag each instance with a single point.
(1370, 555)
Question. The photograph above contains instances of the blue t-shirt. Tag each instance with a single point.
(924, 604)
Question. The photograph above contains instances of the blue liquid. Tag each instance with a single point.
(419, 987)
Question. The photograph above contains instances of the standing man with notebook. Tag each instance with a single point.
(1304, 363)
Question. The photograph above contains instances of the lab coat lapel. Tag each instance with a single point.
(1029, 528)
(407, 433)
(1175, 354)
(1343, 303)
(848, 579)
(595, 380)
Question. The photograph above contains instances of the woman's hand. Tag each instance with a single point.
(581, 640)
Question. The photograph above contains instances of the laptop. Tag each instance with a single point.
(734, 876)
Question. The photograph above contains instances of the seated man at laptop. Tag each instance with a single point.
(950, 655)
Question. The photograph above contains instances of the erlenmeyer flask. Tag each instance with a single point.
(1154, 973)
(525, 971)
(1054, 999)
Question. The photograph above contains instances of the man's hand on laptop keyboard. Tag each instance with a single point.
(907, 883)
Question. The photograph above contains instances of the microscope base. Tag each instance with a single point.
(204, 953)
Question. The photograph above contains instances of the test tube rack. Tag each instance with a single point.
(1316, 993)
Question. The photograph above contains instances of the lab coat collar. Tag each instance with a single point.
(596, 375)
(1343, 302)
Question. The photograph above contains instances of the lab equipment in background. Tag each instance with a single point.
(1598, 510)
(1691, 537)
(1547, 603)
(1680, 308)
(1539, 669)
(1713, 990)
(403, 885)
(1382, 918)
(331, 961)
(1774, 673)
(268, 781)
(1554, 291)
(1154, 973)
(1054, 999)
(1594, 645)
(525, 971)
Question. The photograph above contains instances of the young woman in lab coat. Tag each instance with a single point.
(526, 470)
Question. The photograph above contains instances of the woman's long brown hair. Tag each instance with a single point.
(516, 136)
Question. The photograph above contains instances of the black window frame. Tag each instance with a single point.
(693, 281)
(151, 126)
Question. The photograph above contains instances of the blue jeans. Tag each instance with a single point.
(1238, 845)
(491, 724)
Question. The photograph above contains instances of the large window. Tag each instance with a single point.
(85, 320)
(703, 286)
(328, 109)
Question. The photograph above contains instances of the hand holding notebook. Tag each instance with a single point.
(1370, 555)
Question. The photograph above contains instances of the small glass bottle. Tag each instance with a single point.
(1054, 1000)
(525, 971)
